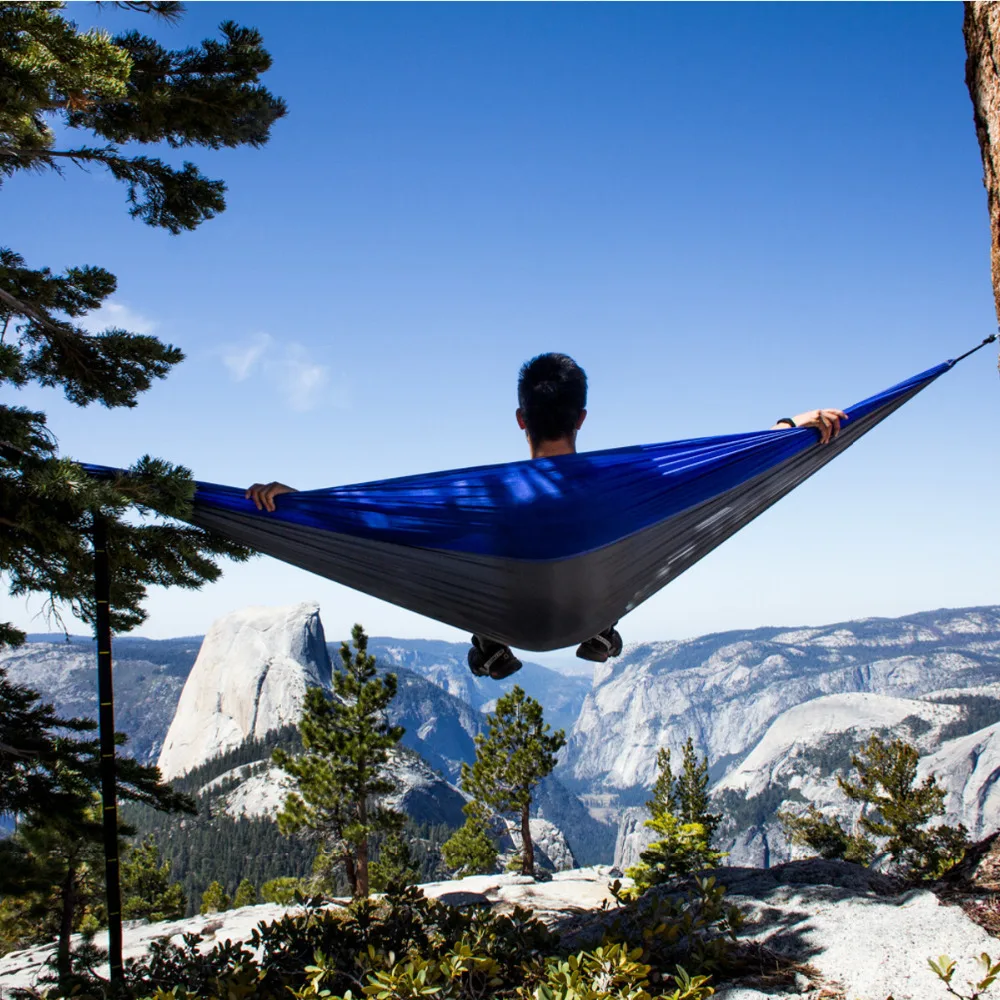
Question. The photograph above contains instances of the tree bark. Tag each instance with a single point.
(68, 899)
(982, 77)
(527, 848)
(362, 855)
(352, 875)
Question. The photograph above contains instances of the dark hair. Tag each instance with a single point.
(552, 393)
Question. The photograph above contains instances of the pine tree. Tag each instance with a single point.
(56, 865)
(511, 758)
(827, 837)
(394, 866)
(104, 94)
(664, 789)
(470, 850)
(35, 749)
(281, 890)
(894, 818)
(691, 788)
(215, 899)
(898, 810)
(57, 853)
(246, 894)
(344, 771)
(679, 815)
(147, 891)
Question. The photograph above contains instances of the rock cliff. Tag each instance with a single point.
(250, 677)
(725, 690)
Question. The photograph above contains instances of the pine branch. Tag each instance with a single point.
(25, 309)
(167, 10)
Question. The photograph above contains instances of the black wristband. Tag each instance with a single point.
(786, 420)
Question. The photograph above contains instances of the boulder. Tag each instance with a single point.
(863, 933)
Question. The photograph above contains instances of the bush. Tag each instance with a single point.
(944, 969)
(215, 899)
(679, 811)
(246, 894)
(282, 890)
(470, 849)
(682, 848)
(827, 837)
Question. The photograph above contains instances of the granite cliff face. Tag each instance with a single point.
(725, 690)
(250, 677)
(969, 769)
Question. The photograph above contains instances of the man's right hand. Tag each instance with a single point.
(263, 494)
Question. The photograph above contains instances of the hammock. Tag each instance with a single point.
(542, 553)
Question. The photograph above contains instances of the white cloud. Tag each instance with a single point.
(118, 315)
(302, 381)
(241, 359)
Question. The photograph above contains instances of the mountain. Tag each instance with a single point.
(273, 653)
(444, 664)
(257, 791)
(969, 769)
(762, 704)
(250, 678)
(439, 726)
(724, 690)
(149, 676)
(803, 752)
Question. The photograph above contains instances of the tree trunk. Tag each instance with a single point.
(362, 853)
(527, 848)
(982, 77)
(352, 873)
(68, 898)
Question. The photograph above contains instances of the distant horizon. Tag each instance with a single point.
(561, 660)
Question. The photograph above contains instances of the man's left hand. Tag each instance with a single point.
(827, 422)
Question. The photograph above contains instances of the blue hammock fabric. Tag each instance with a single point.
(543, 553)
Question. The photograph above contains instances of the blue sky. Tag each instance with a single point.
(725, 213)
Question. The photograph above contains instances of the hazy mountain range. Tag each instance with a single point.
(776, 710)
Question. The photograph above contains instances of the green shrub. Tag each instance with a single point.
(470, 850)
(679, 813)
(660, 947)
(944, 969)
(246, 894)
(682, 848)
(827, 837)
(215, 899)
(282, 890)
(395, 864)
(146, 888)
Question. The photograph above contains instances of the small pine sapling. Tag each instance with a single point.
(470, 850)
(679, 814)
(517, 751)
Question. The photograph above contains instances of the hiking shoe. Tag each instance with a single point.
(602, 646)
(492, 659)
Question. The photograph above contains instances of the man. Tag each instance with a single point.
(552, 406)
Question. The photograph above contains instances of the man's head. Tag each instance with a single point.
(552, 393)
